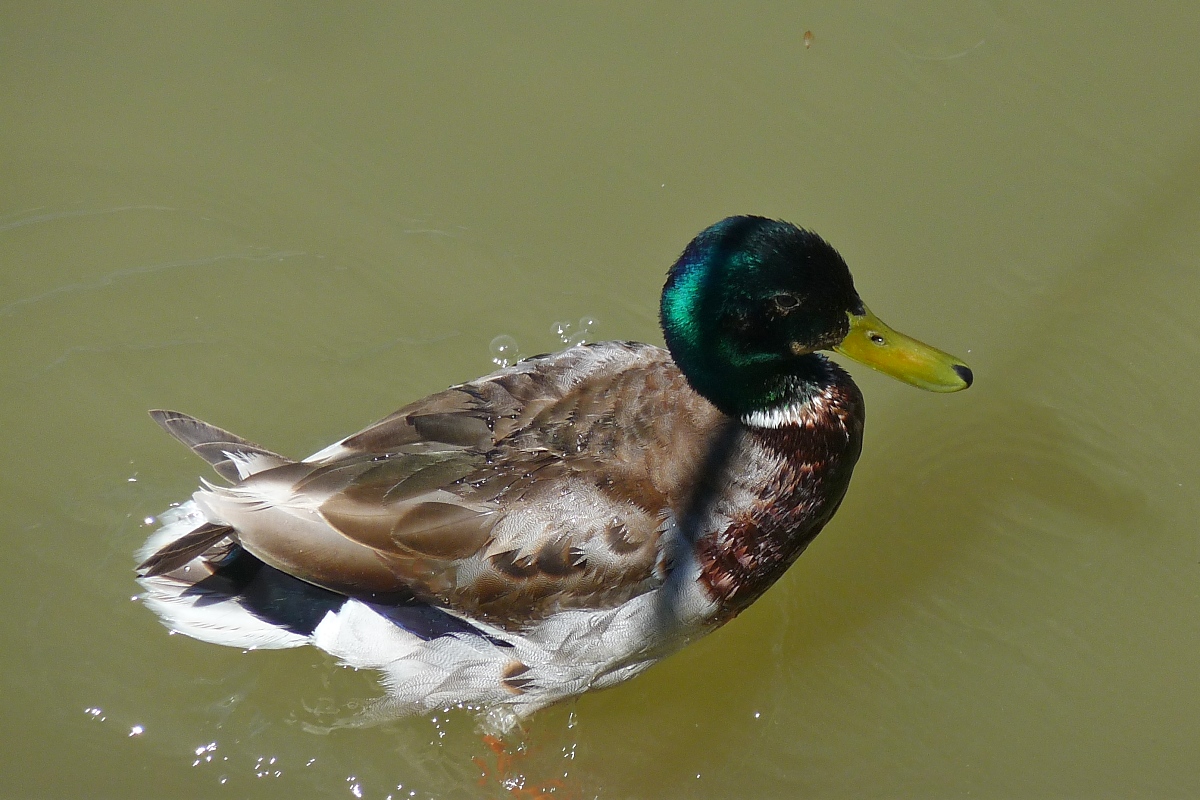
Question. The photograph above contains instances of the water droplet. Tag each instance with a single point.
(136, 730)
(504, 350)
(583, 334)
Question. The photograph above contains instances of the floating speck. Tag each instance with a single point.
(808, 39)
(136, 730)
(148, 521)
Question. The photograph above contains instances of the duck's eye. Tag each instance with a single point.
(877, 338)
(786, 301)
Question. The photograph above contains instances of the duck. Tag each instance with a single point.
(566, 522)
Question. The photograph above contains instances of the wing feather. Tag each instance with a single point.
(231, 456)
(541, 487)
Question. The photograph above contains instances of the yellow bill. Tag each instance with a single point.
(904, 358)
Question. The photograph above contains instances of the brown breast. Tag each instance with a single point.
(794, 476)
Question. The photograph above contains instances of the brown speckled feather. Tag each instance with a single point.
(806, 472)
(539, 488)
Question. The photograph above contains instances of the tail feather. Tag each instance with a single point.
(184, 549)
(231, 456)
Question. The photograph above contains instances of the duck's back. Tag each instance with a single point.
(622, 408)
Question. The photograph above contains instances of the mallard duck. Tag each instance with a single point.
(562, 524)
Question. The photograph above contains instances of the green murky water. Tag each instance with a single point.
(290, 220)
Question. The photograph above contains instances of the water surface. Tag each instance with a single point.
(290, 222)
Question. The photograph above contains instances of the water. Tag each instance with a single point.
(290, 222)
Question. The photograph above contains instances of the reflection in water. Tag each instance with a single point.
(1000, 476)
(20, 219)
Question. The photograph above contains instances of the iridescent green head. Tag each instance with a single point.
(751, 299)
